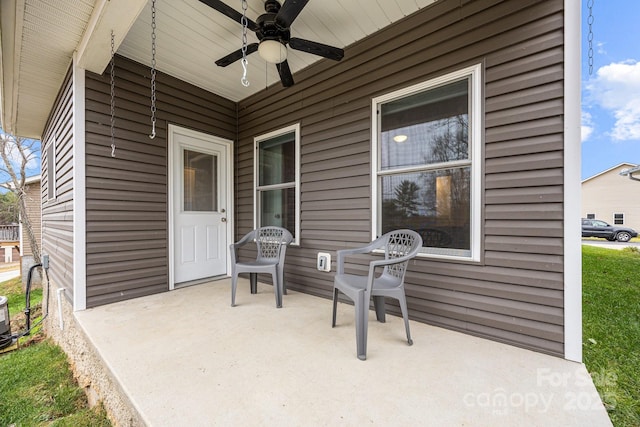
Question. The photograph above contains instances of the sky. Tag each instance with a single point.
(611, 93)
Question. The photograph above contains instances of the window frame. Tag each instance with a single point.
(474, 73)
(621, 219)
(295, 128)
(50, 151)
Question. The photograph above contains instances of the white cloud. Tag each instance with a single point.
(616, 88)
(586, 129)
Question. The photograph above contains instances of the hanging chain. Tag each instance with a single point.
(113, 98)
(244, 61)
(153, 69)
(590, 35)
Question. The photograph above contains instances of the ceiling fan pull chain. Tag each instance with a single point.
(153, 69)
(244, 61)
(113, 97)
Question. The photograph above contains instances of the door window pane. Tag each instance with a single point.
(200, 192)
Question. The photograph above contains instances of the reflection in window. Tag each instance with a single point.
(200, 177)
(426, 162)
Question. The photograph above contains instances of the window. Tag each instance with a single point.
(618, 219)
(51, 169)
(591, 216)
(200, 192)
(425, 168)
(277, 180)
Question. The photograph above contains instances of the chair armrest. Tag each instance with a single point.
(342, 253)
(250, 236)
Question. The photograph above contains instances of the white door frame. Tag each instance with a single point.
(172, 130)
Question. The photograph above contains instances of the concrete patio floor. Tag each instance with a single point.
(187, 358)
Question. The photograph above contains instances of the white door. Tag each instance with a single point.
(199, 189)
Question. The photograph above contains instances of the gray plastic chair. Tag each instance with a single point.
(399, 247)
(271, 243)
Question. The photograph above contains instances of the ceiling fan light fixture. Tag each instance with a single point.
(400, 138)
(272, 51)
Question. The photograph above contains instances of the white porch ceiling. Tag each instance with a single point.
(39, 38)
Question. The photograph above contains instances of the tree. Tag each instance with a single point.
(407, 198)
(8, 208)
(19, 156)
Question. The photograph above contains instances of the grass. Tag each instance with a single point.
(37, 386)
(611, 329)
(12, 289)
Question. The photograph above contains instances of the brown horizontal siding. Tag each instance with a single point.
(127, 229)
(515, 294)
(57, 214)
(33, 203)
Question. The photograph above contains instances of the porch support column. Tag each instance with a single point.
(572, 190)
(79, 190)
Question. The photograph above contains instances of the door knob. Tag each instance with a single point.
(223, 219)
(222, 210)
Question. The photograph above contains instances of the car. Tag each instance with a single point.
(598, 228)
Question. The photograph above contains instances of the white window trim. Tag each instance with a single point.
(614, 218)
(51, 169)
(475, 136)
(293, 128)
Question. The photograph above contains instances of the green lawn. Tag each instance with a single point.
(611, 334)
(36, 384)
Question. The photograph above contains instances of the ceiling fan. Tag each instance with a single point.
(273, 31)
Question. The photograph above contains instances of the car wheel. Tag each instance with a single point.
(623, 236)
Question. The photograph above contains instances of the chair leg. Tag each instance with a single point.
(234, 281)
(362, 311)
(277, 288)
(335, 306)
(378, 303)
(284, 284)
(253, 280)
(405, 315)
(283, 289)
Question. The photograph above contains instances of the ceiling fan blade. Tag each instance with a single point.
(289, 12)
(316, 48)
(285, 74)
(234, 56)
(230, 12)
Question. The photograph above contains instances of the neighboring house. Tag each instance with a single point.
(33, 201)
(485, 95)
(611, 197)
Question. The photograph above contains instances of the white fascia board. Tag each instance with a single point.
(572, 185)
(619, 165)
(94, 50)
(11, 21)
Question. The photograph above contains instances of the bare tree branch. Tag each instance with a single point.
(17, 154)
